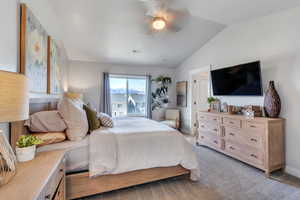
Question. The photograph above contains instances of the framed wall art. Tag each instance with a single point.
(181, 92)
(33, 51)
(54, 70)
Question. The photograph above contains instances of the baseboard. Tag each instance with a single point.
(292, 171)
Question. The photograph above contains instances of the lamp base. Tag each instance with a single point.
(8, 161)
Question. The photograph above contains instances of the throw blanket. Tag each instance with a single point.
(139, 143)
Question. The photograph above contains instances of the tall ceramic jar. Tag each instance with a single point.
(272, 102)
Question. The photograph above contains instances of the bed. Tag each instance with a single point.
(83, 180)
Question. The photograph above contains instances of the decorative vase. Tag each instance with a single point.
(272, 102)
(26, 153)
(7, 161)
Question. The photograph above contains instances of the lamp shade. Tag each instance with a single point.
(14, 97)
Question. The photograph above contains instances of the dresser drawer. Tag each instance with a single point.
(254, 126)
(53, 183)
(243, 137)
(246, 153)
(209, 140)
(211, 128)
(202, 117)
(209, 118)
(232, 122)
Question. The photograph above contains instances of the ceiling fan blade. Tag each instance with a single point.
(177, 19)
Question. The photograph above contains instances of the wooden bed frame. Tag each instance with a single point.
(79, 184)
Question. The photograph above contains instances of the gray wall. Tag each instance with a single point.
(275, 41)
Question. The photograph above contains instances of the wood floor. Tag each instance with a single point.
(172, 189)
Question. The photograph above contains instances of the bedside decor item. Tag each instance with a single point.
(181, 91)
(7, 161)
(33, 48)
(26, 147)
(272, 102)
(14, 106)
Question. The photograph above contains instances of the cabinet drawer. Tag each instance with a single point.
(254, 126)
(53, 183)
(214, 129)
(232, 122)
(202, 117)
(211, 141)
(243, 137)
(251, 155)
(214, 119)
(60, 193)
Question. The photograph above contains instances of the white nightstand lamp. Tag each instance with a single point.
(14, 106)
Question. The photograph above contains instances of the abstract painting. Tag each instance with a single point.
(181, 91)
(54, 73)
(33, 58)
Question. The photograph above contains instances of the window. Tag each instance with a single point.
(128, 95)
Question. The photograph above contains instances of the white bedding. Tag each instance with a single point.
(139, 143)
(77, 153)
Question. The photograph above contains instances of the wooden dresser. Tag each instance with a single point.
(40, 179)
(258, 142)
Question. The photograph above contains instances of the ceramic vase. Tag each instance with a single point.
(272, 102)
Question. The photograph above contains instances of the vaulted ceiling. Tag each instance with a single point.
(113, 31)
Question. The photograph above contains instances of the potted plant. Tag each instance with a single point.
(210, 100)
(26, 146)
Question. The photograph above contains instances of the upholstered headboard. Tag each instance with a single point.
(35, 105)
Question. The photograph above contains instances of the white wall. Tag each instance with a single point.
(87, 77)
(275, 40)
(9, 35)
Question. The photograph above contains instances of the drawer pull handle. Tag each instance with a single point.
(215, 130)
(215, 119)
(253, 140)
(231, 122)
(202, 126)
(216, 142)
(252, 126)
(253, 156)
(232, 148)
(202, 137)
(232, 134)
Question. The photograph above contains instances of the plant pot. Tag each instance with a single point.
(26, 153)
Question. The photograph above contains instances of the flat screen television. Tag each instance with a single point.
(240, 80)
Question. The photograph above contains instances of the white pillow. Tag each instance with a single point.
(75, 118)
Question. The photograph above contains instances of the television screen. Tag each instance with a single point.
(241, 80)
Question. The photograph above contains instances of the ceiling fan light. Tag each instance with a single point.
(159, 23)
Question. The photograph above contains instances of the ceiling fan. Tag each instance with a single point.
(165, 15)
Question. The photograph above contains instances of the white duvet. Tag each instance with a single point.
(139, 143)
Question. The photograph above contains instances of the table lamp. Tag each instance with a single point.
(14, 106)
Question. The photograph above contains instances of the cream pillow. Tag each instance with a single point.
(46, 121)
(50, 138)
(75, 118)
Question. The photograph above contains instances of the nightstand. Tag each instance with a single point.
(40, 179)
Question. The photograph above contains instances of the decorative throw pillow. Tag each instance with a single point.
(46, 121)
(50, 138)
(106, 120)
(75, 118)
(94, 122)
